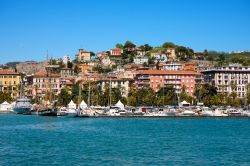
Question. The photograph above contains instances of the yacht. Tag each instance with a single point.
(220, 112)
(234, 112)
(22, 106)
(187, 112)
(206, 111)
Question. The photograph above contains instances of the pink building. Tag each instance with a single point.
(45, 84)
(159, 78)
(116, 51)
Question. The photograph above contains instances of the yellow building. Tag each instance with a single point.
(83, 56)
(9, 82)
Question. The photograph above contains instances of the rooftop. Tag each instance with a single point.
(45, 74)
(8, 72)
(162, 72)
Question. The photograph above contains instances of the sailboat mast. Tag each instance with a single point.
(110, 91)
(163, 95)
(89, 94)
(79, 96)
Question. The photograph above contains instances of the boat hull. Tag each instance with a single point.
(25, 111)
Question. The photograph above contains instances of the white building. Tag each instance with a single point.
(140, 60)
(228, 79)
(172, 66)
(67, 59)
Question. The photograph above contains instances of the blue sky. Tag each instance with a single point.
(29, 27)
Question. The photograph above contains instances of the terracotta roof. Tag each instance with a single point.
(166, 72)
(45, 74)
(66, 68)
(8, 72)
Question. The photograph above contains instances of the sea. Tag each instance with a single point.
(35, 140)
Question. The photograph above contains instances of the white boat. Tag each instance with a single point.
(62, 111)
(220, 112)
(234, 112)
(246, 113)
(187, 112)
(206, 111)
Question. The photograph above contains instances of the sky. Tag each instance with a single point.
(28, 28)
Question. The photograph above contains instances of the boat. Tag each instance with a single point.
(62, 111)
(234, 112)
(22, 106)
(187, 112)
(220, 112)
(206, 111)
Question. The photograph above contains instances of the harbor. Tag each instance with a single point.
(23, 107)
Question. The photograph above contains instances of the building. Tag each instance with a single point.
(29, 68)
(140, 60)
(101, 54)
(45, 85)
(228, 79)
(171, 53)
(105, 61)
(160, 78)
(83, 56)
(172, 66)
(123, 84)
(66, 72)
(66, 59)
(116, 51)
(116, 55)
(86, 68)
(10, 82)
(162, 58)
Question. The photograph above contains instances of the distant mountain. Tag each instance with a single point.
(12, 64)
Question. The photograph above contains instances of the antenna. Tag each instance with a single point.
(47, 56)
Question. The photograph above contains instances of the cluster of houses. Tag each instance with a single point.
(40, 77)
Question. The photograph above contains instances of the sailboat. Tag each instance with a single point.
(48, 108)
(85, 111)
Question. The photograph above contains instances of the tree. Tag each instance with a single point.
(221, 59)
(168, 45)
(5, 97)
(69, 65)
(64, 97)
(170, 96)
(184, 53)
(146, 47)
(119, 45)
(129, 44)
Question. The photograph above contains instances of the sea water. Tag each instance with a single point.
(36, 140)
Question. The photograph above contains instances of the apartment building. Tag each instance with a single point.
(10, 82)
(228, 79)
(45, 85)
(160, 78)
